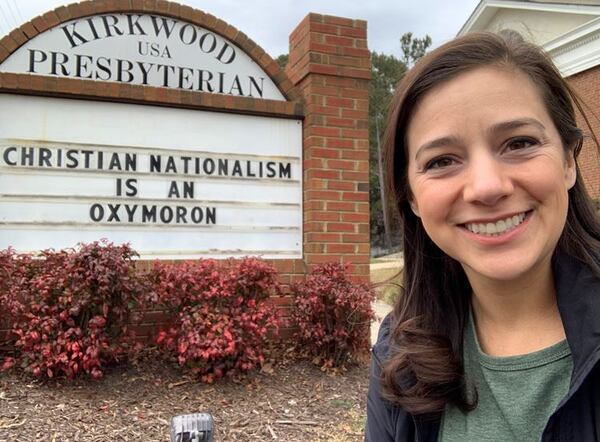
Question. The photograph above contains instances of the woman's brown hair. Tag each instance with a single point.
(424, 372)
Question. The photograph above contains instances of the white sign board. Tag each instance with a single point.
(174, 183)
(143, 49)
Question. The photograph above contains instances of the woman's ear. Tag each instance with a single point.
(570, 169)
(414, 206)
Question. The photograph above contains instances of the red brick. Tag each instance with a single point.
(323, 153)
(325, 195)
(323, 173)
(342, 164)
(355, 237)
(355, 133)
(355, 217)
(321, 259)
(343, 122)
(339, 102)
(323, 237)
(324, 110)
(341, 206)
(340, 143)
(341, 185)
(340, 248)
(324, 131)
(355, 196)
(355, 154)
(355, 93)
(339, 21)
(340, 227)
(339, 41)
(322, 216)
(358, 176)
(353, 32)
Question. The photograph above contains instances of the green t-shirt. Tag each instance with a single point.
(517, 394)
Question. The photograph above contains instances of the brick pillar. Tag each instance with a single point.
(329, 63)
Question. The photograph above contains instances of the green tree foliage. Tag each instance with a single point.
(386, 72)
(282, 60)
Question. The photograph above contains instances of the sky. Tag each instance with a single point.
(269, 22)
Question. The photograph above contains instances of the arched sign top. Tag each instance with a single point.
(151, 43)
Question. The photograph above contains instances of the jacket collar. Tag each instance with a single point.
(578, 297)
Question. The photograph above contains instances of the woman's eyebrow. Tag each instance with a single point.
(516, 124)
(449, 140)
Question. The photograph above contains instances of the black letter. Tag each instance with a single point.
(79, 66)
(197, 215)
(285, 170)
(213, 43)
(182, 34)
(74, 34)
(44, 159)
(108, 26)
(185, 76)
(56, 63)
(131, 184)
(33, 61)
(114, 212)
(136, 24)
(181, 212)
(166, 214)
(211, 215)
(155, 163)
(145, 71)
(96, 212)
(130, 211)
(149, 214)
(259, 89)
(165, 25)
(173, 190)
(6, 152)
(209, 87)
(104, 68)
(223, 49)
(121, 71)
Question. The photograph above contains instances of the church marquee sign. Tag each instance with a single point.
(175, 183)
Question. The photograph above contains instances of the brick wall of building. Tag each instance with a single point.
(587, 86)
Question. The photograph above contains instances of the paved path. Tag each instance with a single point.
(381, 309)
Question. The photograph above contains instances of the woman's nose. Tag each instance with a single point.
(488, 181)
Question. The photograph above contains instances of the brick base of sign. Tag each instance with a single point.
(587, 86)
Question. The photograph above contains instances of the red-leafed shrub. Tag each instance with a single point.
(69, 309)
(332, 315)
(222, 313)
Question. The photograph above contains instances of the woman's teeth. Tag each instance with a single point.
(497, 228)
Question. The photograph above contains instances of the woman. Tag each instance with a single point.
(497, 334)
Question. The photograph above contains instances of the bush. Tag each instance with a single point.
(69, 309)
(222, 314)
(332, 315)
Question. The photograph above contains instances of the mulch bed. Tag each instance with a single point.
(292, 401)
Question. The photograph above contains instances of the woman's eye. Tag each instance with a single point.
(439, 163)
(520, 143)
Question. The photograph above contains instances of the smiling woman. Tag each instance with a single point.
(495, 336)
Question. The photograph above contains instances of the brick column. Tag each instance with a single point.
(329, 63)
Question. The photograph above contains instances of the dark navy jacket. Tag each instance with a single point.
(577, 417)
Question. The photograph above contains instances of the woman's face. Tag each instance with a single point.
(488, 173)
